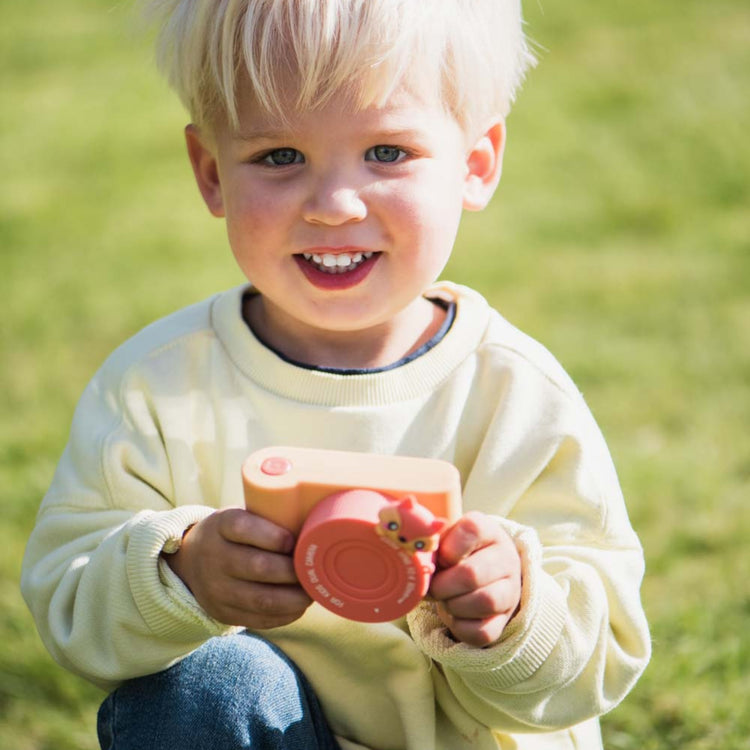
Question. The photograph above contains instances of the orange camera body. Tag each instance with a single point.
(368, 526)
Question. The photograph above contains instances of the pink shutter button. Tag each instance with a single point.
(275, 466)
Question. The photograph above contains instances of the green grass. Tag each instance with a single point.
(620, 237)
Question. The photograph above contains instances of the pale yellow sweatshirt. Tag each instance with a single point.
(157, 442)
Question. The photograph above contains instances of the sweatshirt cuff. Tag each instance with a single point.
(527, 640)
(164, 602)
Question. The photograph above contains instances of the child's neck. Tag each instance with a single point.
(375, 347)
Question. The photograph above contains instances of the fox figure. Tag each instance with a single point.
(410, 526)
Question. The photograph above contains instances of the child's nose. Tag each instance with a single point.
(332, 201)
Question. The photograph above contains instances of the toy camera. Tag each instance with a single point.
(367, 526)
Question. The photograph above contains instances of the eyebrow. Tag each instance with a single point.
(398, 133)
(391, 134)
(261, 135)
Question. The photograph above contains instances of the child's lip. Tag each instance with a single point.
(338, 259)
(336, 268)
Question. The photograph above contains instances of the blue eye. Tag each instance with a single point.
(392, 526)
(282, 157)
(385, 154)
(419, 545)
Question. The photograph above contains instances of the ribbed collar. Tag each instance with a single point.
(412, 380)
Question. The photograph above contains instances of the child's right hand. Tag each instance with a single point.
(239, 568)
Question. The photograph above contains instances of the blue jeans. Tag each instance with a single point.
(234, 692)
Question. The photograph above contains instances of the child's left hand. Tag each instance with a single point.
(477, 585)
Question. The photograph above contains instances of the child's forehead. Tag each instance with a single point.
(402, 109)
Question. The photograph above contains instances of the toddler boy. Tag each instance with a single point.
(340, 140)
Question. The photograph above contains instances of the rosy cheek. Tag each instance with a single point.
(403, 212)
(247, 200)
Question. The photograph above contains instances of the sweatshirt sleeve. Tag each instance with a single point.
(580, 639)
(105, 603)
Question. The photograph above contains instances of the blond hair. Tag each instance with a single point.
(472, 53)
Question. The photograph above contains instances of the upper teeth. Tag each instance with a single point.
(339, 260)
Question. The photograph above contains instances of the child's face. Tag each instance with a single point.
(374, 195)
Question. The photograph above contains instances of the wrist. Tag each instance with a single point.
(174, 555)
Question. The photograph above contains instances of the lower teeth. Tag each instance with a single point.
(337, 269)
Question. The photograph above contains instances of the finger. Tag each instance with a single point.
(498, 598)
(240, 526)
(256, 565)
(479, 633)
(236, 602)
(269, 603)
(470, 533)
(479, 569)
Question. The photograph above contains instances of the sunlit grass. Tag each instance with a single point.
(620, 237)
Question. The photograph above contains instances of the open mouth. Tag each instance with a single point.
(337, 271)
(337, 263)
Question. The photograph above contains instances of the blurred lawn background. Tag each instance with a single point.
(620, 237)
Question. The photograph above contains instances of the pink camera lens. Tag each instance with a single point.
(350, 565)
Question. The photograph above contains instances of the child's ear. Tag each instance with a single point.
(205, 167)
(484, 166)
